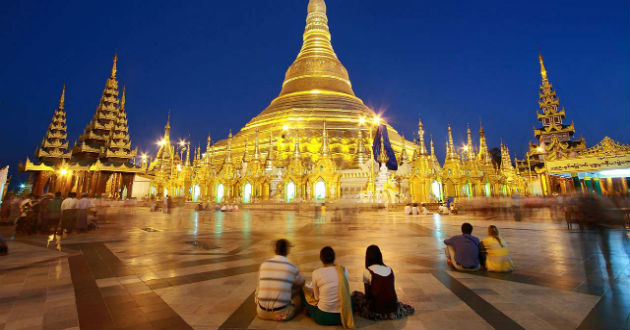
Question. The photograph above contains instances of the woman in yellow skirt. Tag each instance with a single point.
(496, 253)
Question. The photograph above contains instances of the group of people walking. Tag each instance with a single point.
(466, 252)
(282, 292)
(49, 213)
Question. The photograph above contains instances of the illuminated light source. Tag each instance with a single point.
(22, 185)
(540, 149)
(362, 120)
(377, 120)
(161, 142)
(285, 127)
(179, 168)
(620, 172)
(144, 156)
(465, 148)
(63, 171)
(182, 143)
(315, 91)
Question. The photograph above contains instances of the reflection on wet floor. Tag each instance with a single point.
(562, 279)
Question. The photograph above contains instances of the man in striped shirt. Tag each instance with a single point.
(279, 285)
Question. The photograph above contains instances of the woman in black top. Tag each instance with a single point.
(379, 302)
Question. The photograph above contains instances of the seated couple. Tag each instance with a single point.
(466, 253)
(327, 299)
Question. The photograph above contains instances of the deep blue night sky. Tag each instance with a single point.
(217, 64)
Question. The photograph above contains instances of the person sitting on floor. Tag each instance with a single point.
(69, 211)
(424, 210)
(462, 251)
(279, 286)
(329, 303)
(408, 209)
(495, 253)
(380, 301)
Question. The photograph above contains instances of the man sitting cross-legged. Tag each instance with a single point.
(462, 251)
(279, 285)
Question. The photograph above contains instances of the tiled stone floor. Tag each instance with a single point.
(198, 270)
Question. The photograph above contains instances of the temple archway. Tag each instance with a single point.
(320, 190)
(247, 193)
(220, 192)
(290, 191)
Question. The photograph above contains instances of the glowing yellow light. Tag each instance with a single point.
(540, 149)
(362, 120)
(377, 120)
(63, 171)
(182, 143)
(161, 142)
(179, 168)
(315, 91)
(144, 156)
(285, 127)
(465, 148)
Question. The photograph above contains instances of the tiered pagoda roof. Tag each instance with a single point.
(106, 137)
(54, 147)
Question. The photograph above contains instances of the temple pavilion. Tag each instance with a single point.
(101, 163)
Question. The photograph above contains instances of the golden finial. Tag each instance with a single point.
(316, 6)
(114, 66)
(62, 99)
(543, 71)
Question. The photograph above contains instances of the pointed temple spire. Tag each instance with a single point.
(208, 143)
(54, 146)
(451, 153)
(228, 157)
(423, 148)
(470, 152)
(543, 71)
(325, 149)
(550, 115)
(382, 155)
(270, 158)
(484, 154)
(113, 75)
(432, 148)
(256, 148)
(109, 123)
(62, 99)
(246, 152)
(119, 145)
(187, 163)
(329, 74)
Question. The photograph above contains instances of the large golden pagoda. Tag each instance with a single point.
(316, 88)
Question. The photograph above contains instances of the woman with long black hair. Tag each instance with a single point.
(379, 302)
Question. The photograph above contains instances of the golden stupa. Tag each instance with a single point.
(316, 89)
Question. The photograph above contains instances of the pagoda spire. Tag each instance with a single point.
(484, 154)
(543, 71)
(451, 153)
(246, 152)
(325, 150)
(256, 148)
(423, 148)
(270, 159)
(95, 141)
(113, 75)
(187, 154)
(432, 148)
(382, 155)
(208, 142)
(329, 74)
(119, 145)
(62, 99)
(470, 153)
(54, 146)
(228, 157)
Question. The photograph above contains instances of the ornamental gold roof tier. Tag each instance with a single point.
(316, 89)
(54, 146)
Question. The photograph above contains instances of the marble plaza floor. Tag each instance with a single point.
(198, 270)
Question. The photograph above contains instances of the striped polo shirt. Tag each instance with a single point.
(277, 276)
